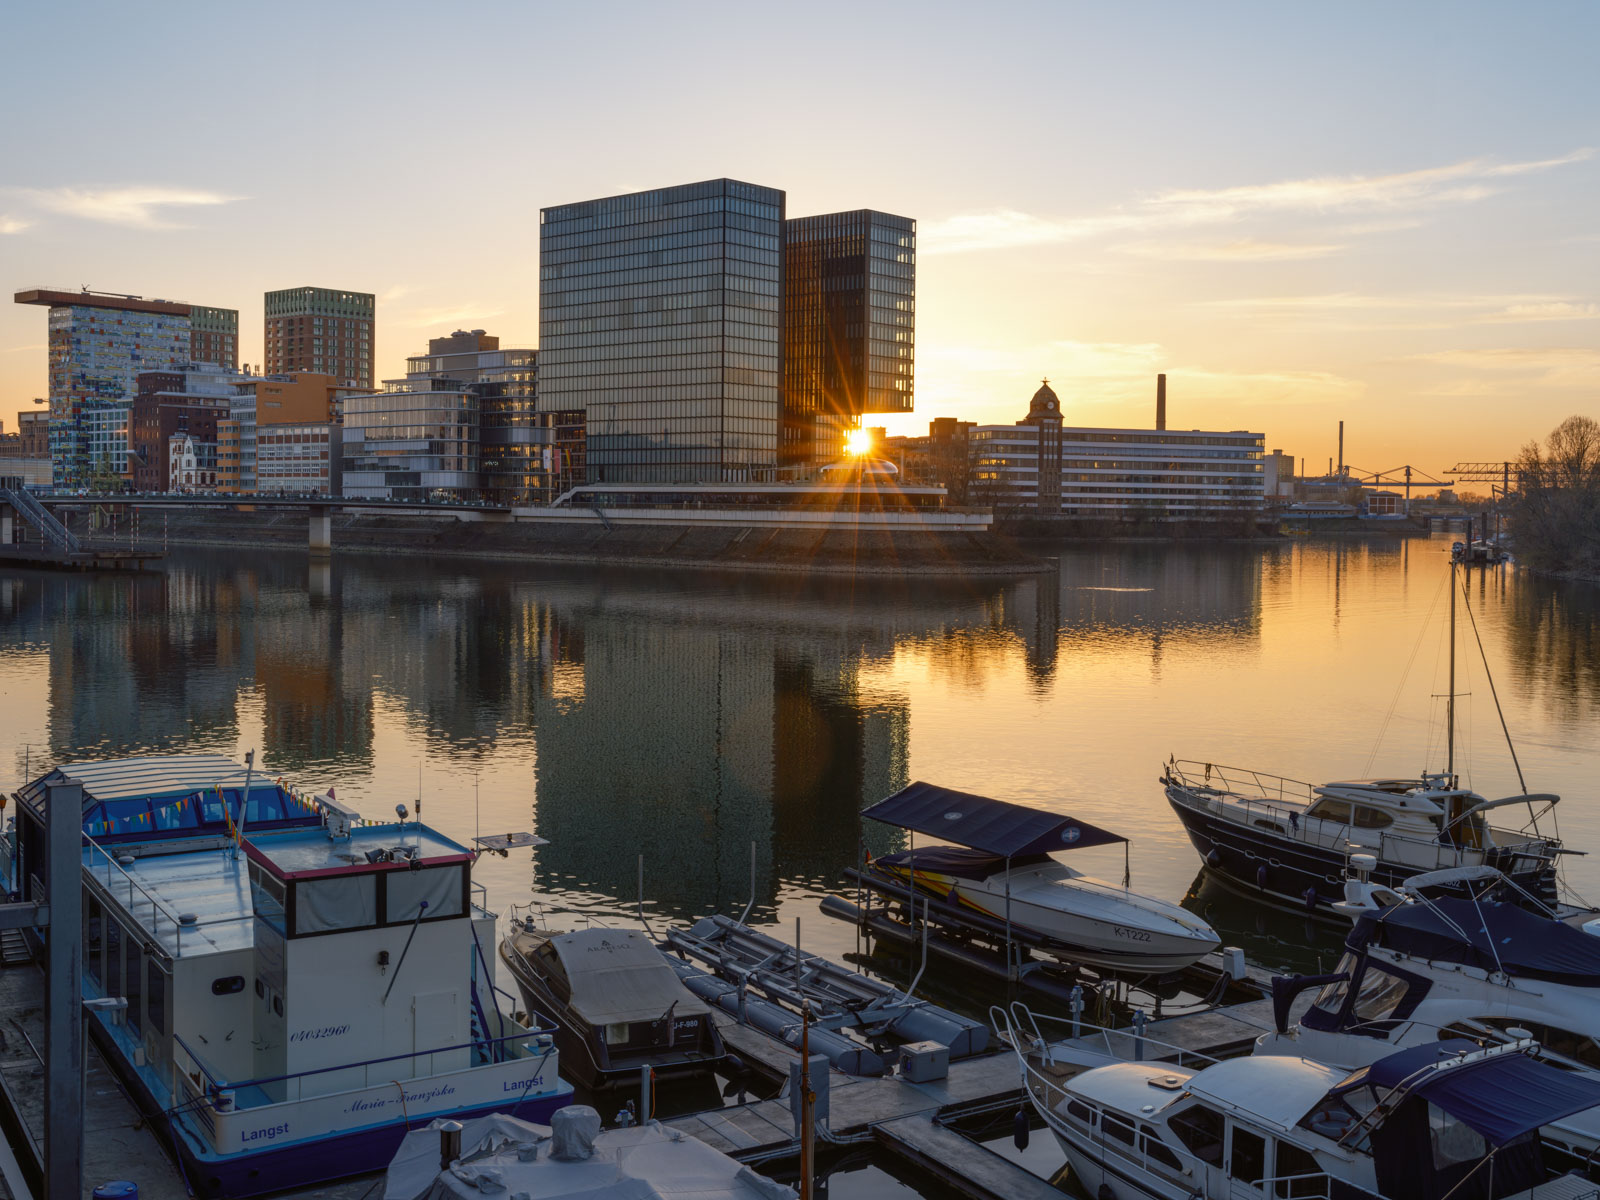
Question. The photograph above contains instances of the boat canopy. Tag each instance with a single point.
(616, 975)
(1503, 1092)
(1491, 934)
(996, 826)
(962, 862)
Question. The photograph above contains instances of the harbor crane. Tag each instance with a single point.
(1405, 477)
(1496, 474)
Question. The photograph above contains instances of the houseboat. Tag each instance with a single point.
(283, 987)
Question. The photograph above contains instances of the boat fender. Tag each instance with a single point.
(1261, 876)
(1019, 1129)
(1213, 859)
(1106, 1192)
(1310, 897)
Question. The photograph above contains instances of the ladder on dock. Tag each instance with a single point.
(14, 950)
(51, 531)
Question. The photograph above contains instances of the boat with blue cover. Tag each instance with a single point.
(284, 988)
(1441, 1121)
(1001, 872)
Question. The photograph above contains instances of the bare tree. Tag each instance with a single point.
(1556, 514)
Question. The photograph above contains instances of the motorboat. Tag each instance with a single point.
(283, 988)
(1001, 871)
(1436, 1121)
(618, 1006)
(1462, 953)
(572, 1158)
(1290, 842)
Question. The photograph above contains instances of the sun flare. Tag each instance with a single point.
(858, 442)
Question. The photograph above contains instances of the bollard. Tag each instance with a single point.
(1138, 1034)
(1076, 1006)
(449, 1143)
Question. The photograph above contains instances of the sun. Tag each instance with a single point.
(858, 442)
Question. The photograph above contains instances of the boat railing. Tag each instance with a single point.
(1240, 780)
(110, 875)
(1314, 1185)
(1128, 1044)
(251, 1093)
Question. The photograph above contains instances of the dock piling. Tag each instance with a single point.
(63, 1038)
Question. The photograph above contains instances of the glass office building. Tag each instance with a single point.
(659, 319)
(417, 440)
(849, 327)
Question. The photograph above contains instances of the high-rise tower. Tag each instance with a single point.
(325, 330)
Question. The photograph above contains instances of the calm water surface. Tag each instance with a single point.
(687, 717)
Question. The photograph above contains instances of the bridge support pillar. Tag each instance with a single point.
(321, 533)
(8, 529)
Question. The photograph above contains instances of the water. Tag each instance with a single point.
(686, 716)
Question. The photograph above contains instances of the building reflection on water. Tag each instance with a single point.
(683, 717)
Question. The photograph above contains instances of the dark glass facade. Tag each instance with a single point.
(849, 327)
(659, 319)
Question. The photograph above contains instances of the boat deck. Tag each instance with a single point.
(159, 890)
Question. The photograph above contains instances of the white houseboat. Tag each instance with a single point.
(284, 988)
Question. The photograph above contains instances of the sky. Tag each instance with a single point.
(1386, 214)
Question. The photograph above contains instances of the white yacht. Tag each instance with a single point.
(283, 987)
(1001, 876)
(1442, 1121)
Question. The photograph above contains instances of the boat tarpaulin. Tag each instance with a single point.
(996, 826)
(616, 975)
(1502, 1094)
(1492, 934)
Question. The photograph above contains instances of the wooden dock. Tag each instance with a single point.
(48, 559)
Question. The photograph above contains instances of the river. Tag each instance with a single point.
(688, 716)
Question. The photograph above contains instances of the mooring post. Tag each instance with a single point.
(63, 1031)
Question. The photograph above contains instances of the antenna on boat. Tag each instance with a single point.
(244, 801)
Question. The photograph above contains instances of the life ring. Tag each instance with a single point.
(1330, 1122)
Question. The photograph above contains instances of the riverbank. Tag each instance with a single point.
(753, 548)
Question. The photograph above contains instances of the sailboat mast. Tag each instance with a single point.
(1450, 702)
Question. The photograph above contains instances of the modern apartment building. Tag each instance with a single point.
(1041, 466)
(214, 335)
(298, 459)
(526, 456)
(98, 345)
(325, 330)
(415, 439)
(849, 327)
(659, 320)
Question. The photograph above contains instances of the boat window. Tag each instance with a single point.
(1153, 1148)
(1260, 823)
(1247, 1157)
(227, 985)
(267, 895)
(406, 890)
(1290, 1166)
(617, 1034)
(135, 982)
(1079, 1111)
(156, 997)
(339, 902)
(1331, 997)
(1380, 994)
(1372, 818)
(1453, 1141)
(1330, 810)
(1200, 1129)
(1113, 1126)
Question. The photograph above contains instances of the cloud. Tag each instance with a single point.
(1409, 310)
(1240, 250)
(1552, 310)
(395, 292)
(136, 207)
(1517, 358)
(10, 224)
(19, 349)
(1463, 182)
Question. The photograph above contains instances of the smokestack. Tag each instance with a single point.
(1341, 447)
(1161, 401)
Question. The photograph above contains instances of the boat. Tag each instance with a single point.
(1440, 1121)
(1290, 842)
(618, 1006)
(1001, 870)
(572, 1158)
(283, 988)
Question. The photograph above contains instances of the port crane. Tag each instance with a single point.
(1406, 477)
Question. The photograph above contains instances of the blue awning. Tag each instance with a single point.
(996, 826)
(1492, 934)
(1502, 1095)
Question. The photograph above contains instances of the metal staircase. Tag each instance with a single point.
(51, 531)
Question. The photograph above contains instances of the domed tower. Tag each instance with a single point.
(1044, 414)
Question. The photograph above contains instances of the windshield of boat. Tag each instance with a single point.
(1331, 998)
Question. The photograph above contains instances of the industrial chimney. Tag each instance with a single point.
(1161, 401)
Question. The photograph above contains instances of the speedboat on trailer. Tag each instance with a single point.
(283, 988)
(1000, 874)
(1442, 1121)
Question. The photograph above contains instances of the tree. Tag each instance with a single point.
(1556, 514)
